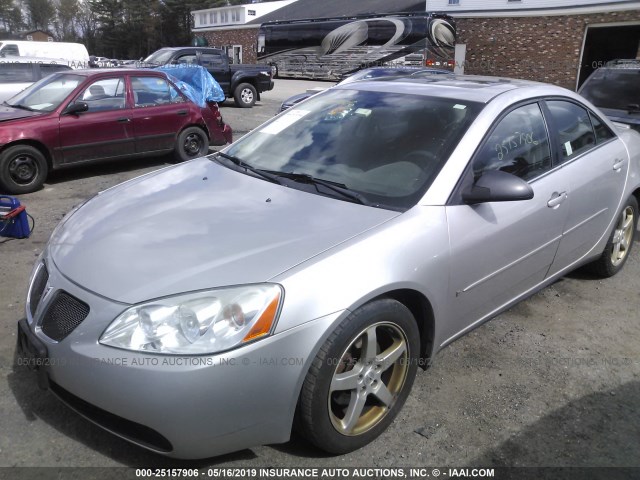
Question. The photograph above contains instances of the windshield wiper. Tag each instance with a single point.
(21, 107)
(340, 188)
(262, 173)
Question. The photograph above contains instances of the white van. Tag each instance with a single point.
(76, 54)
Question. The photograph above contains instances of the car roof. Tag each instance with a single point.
(91, 72)
(465, 87)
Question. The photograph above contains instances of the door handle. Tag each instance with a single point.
(618, 163)
(124, 120)
(556, 199)
(182, 113)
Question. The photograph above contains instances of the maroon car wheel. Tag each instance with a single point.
(23, 169)
(192, 143)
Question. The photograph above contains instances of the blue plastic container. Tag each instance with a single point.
(15, 227)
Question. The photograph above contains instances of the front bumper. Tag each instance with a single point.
(180, 406)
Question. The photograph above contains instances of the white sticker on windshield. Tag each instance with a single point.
(567, 146)
(365, 112)
(459, 107)
(283, 121)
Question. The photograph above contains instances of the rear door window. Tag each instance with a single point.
(573, 126)
(152, 91)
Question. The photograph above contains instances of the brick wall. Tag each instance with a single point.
(545, 49)
(246, 37)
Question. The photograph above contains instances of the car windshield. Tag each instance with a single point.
(161, 57)
(47, 94)
(385, 147)
(613, 88)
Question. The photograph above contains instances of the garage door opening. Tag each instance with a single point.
(604, 43)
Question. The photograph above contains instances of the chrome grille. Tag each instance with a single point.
(63, 315)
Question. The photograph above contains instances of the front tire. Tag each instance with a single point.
(616, 252)
(192, 143)
(23, 169)
(245, 95)
(360, 378)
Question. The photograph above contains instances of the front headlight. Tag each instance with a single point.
(197, 323)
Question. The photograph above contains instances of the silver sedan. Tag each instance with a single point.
(306, 271)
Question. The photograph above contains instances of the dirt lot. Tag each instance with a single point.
(553, 382)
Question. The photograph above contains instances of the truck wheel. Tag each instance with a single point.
(245, 95)
(192, 143)
(23, 169)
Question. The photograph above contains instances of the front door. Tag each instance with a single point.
(105, 130)
(500, 250)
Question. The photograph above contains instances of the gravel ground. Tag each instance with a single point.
(554, 381)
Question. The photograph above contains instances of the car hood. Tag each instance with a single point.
(195, 226)
(9, 113)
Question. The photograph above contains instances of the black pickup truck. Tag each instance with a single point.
(243, 83)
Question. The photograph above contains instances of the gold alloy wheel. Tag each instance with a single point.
(368, 378)
(622, 236)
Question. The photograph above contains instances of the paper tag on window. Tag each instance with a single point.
(283, 121)
(459, 107)
(567, 146)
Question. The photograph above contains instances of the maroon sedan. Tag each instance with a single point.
(82, 116)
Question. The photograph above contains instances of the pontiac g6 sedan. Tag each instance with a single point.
(72, 118)
(307, 270)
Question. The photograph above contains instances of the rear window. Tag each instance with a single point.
(613, 88)
(16, 72)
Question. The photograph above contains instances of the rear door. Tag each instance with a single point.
(160, 112)
(105, 130)
(595, 162)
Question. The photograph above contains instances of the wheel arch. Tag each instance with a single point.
(35, 144)
(636, 193)
(239, 80)
(421, 309)
(201, 126)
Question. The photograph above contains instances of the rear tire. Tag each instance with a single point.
(360, 378)
(245, 95)
(23, 169)
(620, 242)
(192, 143)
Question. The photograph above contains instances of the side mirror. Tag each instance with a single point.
(75, 108)
(497, 186)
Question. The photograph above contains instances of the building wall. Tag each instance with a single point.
(545, 48)
(234, 15)
(246, 37)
